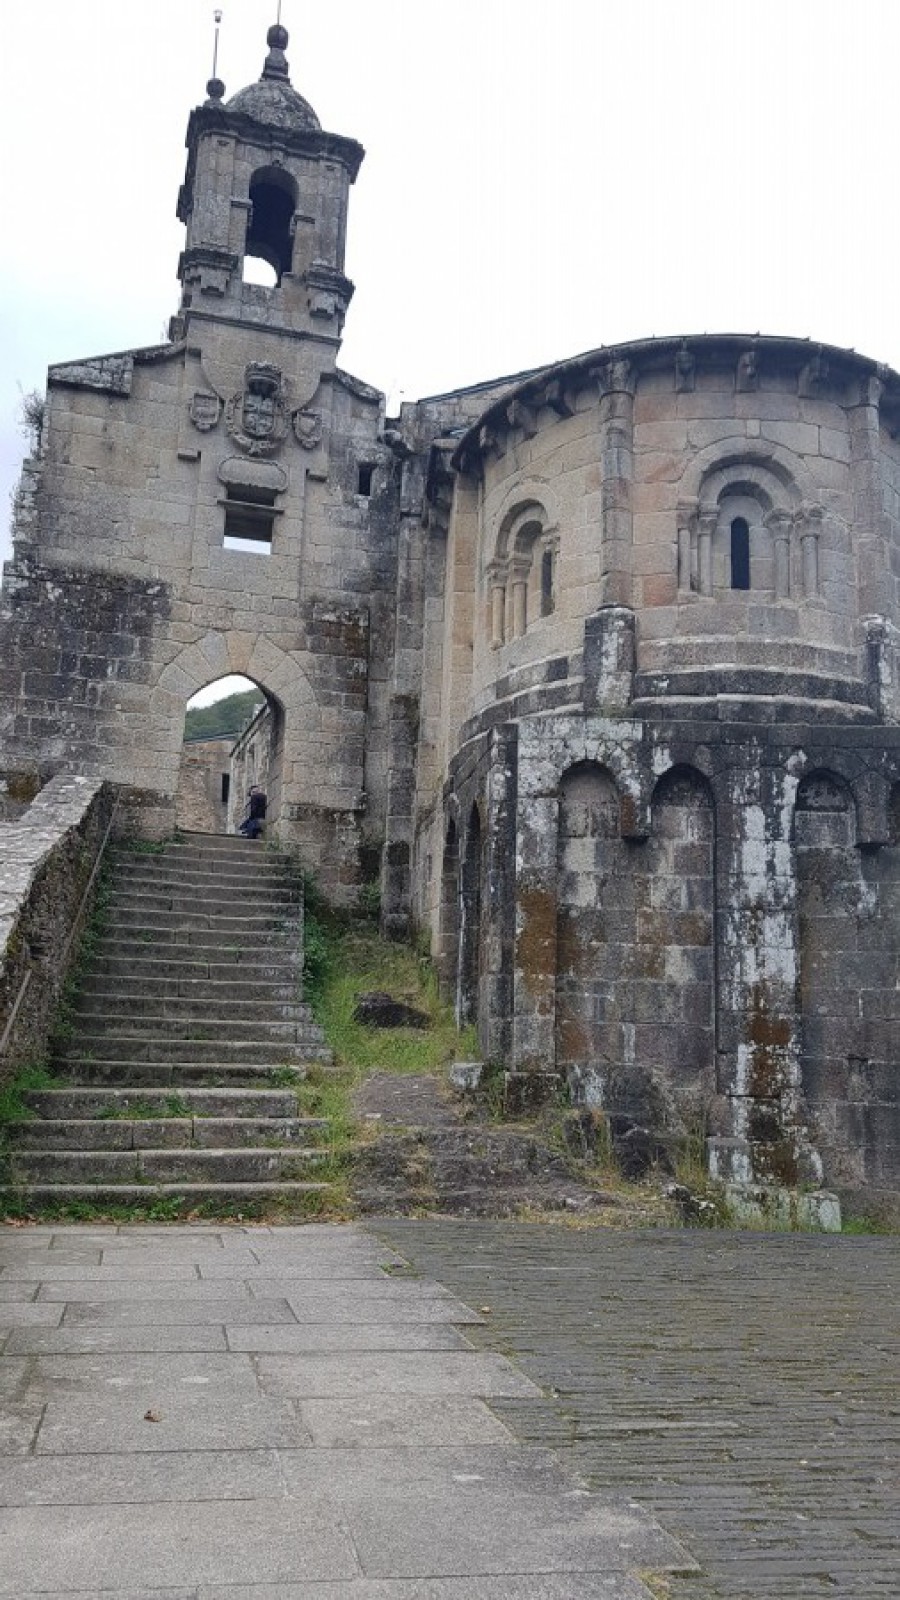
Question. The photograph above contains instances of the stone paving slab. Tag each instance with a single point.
(159, 1418)
(546, 1586)
(139, 1479)
(402, 1372)
(745, 1388)
(378, 1422)
(85, 1338)
(55, 1546)
(323, 1337)
(426, 1512)
(31, 1314)
(121, 1290)
(172, 1313)
(359, 1308)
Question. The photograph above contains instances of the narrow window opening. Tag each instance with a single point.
(364, 478)
(740, 553)
(249, 519)
(548, 585)
(226, 787)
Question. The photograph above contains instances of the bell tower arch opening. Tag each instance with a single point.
(269, 247)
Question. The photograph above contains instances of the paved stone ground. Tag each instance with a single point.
(742, 1387)
(278, 1414)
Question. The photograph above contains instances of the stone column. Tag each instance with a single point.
(686, 514)
(810, 530)
(617, 382)
(779, 525)
(498, 604)
(500, 892)
(871, 532)
(706, 529)
(758, 1024)
(518, 573)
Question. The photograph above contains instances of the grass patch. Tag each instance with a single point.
(12, 1103)
(344, 961)
(146, 1110)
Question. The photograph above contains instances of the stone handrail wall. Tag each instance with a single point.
(46, 860)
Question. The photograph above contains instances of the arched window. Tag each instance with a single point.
(523, 574)
(740, 553)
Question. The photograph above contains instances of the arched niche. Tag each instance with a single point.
(471, 910)
(848, 918)
(674, 992)
(595, 920)
(450, 911)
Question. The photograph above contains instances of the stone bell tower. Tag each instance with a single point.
(263, 180)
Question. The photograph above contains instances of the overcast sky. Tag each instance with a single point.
(541, 178)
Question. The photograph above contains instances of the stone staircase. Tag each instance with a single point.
(186, 1034)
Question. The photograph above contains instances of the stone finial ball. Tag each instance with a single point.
(215, 88)
(277, 37)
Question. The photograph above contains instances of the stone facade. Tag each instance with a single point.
(602, 662)
(204, 786)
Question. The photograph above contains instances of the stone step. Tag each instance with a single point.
(176, 1074)
(206, 874)
(133, 961)
(248, 930)
(162, 1133)
(250, 1165)
(222, 945)
(90, 1104)
(214, 992)
(99, 1026)
(225, 1012)
(302, 1197)
(183, 896)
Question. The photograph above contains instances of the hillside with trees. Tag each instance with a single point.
(225, 718)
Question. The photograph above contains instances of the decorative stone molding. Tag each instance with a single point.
(685, 371)
(746, 376)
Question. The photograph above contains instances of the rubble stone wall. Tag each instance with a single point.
(47, 857)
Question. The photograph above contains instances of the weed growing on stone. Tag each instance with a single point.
(146, 1110)
(13, 1106)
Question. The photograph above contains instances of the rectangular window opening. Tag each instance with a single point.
(226, 787)
(365, 474)
(249, 519)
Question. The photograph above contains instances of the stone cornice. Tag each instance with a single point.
(819, 369)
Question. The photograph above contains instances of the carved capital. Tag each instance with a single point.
(615, 377)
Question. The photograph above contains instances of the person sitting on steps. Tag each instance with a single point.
(252, 825)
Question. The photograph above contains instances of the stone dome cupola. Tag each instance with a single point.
(273, 101)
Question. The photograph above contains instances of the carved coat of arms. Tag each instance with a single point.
(256, 418)
(307, 429)
(204, 410)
